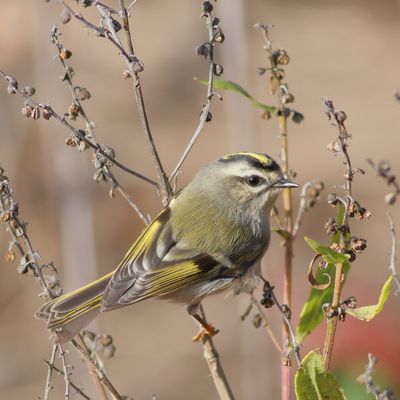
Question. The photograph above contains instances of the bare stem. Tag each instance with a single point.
(282, 94)
(393, 255)
(286, 314)
(97, 369)
(73, 385)
(214, 364)
(65, 370)
(270, 332)
(366, 378)
(50, 368)
(135, 66)
(207, 104)
(332, 322)
(78, 133)
(310, 193)
(89, 125)
(340, 145)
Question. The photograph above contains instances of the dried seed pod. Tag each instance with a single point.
(82, 93)
(207, 7)
(352, 255)
(85, 3)
(99, 176)
(256, 320)
(108, 351)
(12, 85)
(46, 114)
(9, 256)
(353, 208)
(28, 91)
(351, 302)
(26, 111)
(341, 116)
(287, 98)
(383, 167)
(35, 113)
(203, 50)
(358, 244)
(215, 22)
(116, 25)
(82, 146)
(72, 141)
(65, 16)
(209, 117)
(65, 54)
(23, 266)
(332, 199)
(331, 226)
(335, 247)
(261, 70)
(126, 74)
(273, 84)
(390, 198)
(218, 69)
(266, 115)
(334, 147)
(281, 57)
(219, 37)
(297, 117)
(73, 111)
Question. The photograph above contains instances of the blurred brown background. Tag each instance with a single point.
(348, 51)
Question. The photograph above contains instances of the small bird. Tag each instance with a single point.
(209, 239)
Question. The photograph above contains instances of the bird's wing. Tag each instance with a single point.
(155, 265)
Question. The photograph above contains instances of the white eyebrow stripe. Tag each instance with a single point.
(241, 169)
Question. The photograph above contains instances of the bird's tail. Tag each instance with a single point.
(68, 314)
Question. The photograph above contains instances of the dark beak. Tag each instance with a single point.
(285, 184)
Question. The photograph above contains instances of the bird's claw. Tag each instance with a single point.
(205, 332)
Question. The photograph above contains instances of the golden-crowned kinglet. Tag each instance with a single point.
(210, 238)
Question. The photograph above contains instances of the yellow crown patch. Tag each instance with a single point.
(261, 158)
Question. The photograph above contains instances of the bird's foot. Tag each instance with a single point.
(205, 332)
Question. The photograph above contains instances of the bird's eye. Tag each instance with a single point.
(253, 180)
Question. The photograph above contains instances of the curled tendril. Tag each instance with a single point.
(311, 278)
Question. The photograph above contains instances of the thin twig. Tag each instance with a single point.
(214, 364)
(131, 5)
(78, 133)
(73, 385)
(89, 125)
(266, 324)
(30, 262)
(393, 255)
(50, 367)
(207, 104)
(352, 208)
(135, 66)
(99, 371)
(310, 193)
(65, 370)
(332, 322)
(367, 380)
(30, 259)
(276, 60)
(286, 313)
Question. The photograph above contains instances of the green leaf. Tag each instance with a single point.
(329, 255)
(312, 315)
(313, 382)
(367, 313)
(234, 87)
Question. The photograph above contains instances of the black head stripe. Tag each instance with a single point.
(257, 160)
